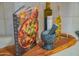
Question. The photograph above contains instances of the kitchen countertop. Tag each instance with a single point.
(5, 40)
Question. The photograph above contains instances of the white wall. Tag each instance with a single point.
(75, 17)
(6, 11)
(6, 23)
(2, 27)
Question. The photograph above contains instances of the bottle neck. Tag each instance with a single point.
(48, 5)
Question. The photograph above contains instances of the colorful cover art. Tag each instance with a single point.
(28, 27)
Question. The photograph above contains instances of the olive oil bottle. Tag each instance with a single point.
(58, 22)
(48, 21)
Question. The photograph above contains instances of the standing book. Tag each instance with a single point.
(25, 21)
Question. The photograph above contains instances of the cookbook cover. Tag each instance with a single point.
(25, 21)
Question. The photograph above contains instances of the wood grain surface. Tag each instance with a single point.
(8, 51)
(60, 44)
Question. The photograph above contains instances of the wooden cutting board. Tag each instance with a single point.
(59, 45)
(8, 51)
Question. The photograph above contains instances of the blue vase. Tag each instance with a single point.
(48, 40)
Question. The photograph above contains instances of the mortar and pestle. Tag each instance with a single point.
(48, 37)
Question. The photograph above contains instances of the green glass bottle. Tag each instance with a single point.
(48, 21)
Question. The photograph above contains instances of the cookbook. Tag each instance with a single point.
(25, 21)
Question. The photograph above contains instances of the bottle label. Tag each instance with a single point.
(49, 22)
